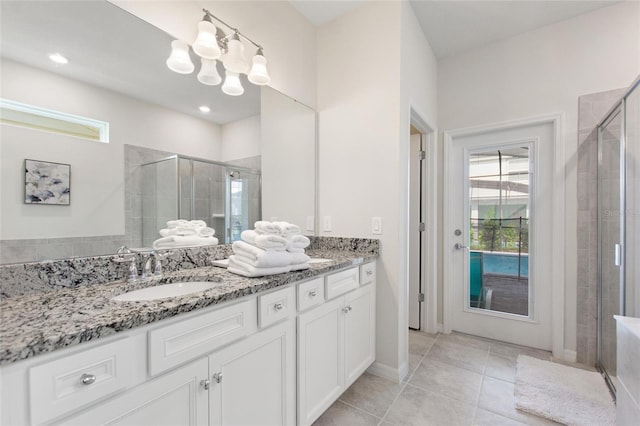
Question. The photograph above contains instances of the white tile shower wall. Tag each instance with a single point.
(591, 109)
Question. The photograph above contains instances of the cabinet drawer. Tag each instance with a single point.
(275, 306)
(367, 273)
(341, 282)
(187, 339)
(64, 384)
(310, 294)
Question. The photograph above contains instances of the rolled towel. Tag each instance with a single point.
(176, 223)
(197, 223)
(264, 241)
(287, 229)
(261, 258)
(237, 266)
(207, 232)
(175, 241)
(264, 227)
(295, 250)
(298, 241)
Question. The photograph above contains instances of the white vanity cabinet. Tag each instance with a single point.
(336, 341)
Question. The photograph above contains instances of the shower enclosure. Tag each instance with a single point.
(618, 224)
(226, 197)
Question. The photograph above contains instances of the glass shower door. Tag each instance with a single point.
(632, 204)
(243, 195)
(610, 236)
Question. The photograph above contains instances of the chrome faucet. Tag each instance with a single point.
(125, 255)
(157, 265)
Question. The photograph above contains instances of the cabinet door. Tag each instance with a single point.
(253, 381)
(359, 332)
(320, 359)
(176, 398)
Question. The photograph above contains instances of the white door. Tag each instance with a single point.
(359, 332)
(320, 359)
(415, 217)
(253, 381)
(498, 234)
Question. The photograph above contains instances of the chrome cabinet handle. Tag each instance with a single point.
(278, 306)
(459, 246)
(217, 377)
(313, 293)
(346, 309)
(369, 273)
(205, 384)
(87, 379)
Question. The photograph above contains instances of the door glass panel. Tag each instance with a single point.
(610, 227)
(244, 202)
(499, 217)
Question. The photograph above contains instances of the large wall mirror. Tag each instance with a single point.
(159, 140)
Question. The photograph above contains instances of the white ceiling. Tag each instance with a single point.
(453, 26)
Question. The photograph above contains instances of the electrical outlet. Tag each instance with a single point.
(376, 225)
(327, 224)
(310, 224)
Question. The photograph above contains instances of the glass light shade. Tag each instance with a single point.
(234, 60)
(209, 73)
(232, 85)
(180, 61)
(259, 74)
(206, 44)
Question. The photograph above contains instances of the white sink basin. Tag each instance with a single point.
(319, 260)
(164, 291)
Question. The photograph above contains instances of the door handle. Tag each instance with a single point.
(459, 246)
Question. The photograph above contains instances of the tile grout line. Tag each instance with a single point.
(406, 382)
(359, 409)
(484, 370)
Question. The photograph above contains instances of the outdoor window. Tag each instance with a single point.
(32, 117)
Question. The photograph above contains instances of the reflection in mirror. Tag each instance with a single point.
(117, 73)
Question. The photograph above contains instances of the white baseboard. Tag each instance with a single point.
(570, 356)
(389, 373)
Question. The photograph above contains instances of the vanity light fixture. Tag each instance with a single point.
(58, 58)
(212, 45)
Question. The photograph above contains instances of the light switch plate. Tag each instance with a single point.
(327, 224)
(376, 225)
(310, 224)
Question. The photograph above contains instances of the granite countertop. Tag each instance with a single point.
(39, 323)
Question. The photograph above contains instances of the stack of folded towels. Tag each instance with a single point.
(185, 233)
(270, 248)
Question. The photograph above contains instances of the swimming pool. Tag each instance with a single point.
(505, 264)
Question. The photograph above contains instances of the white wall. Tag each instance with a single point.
(363, 145)
(287, 37)
(97, 169)
(539, 72)
(241, 139)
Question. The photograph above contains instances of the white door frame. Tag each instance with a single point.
(429, 239)
(557, 226)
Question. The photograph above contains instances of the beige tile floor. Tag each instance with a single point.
(454, 379)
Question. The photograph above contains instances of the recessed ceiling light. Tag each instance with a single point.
(205, 108)
(58, 58)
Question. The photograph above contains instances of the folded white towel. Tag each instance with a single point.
(260, 258)
(297, 258)
(264, 227)
(197, 223)
(287, 229)
(299, 266)
(298, 241)
(176, 223)
(207, 232)
(264, 241)
(180, 230)
(237, 266)
(175, 241)
(295, 250)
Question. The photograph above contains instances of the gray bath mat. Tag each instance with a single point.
(563, 394)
